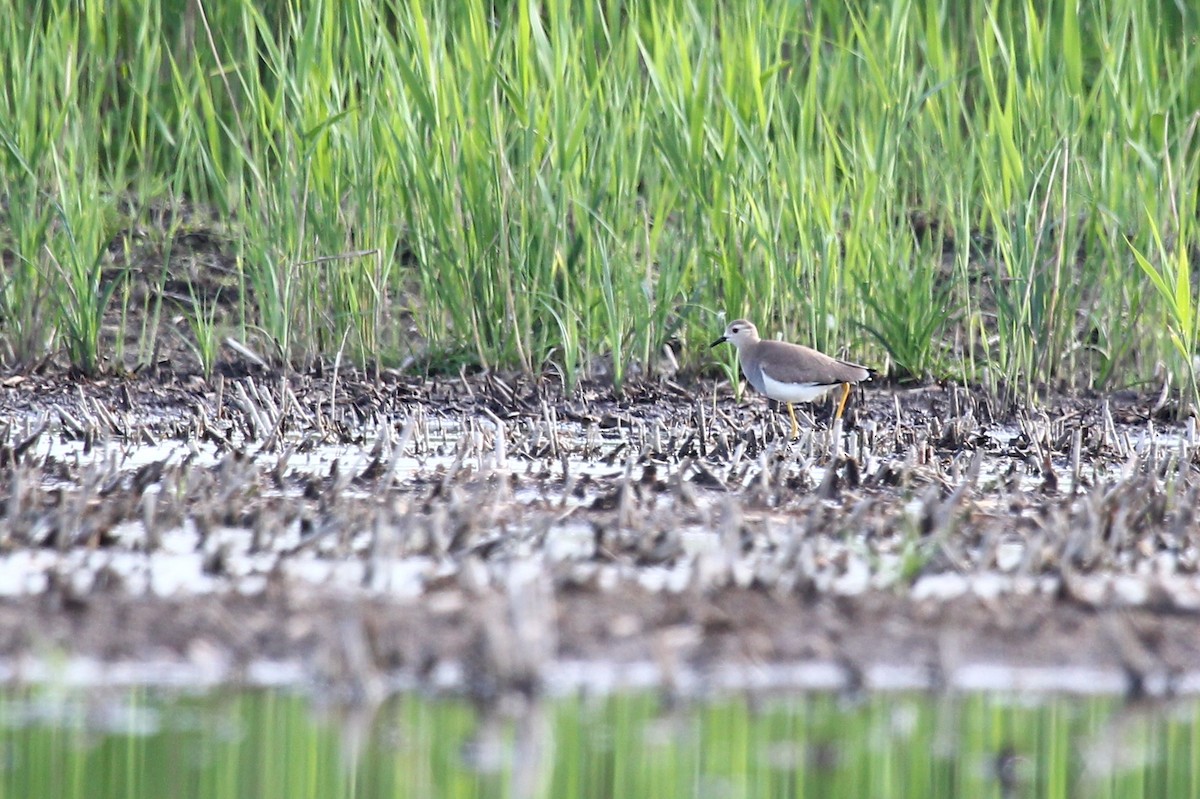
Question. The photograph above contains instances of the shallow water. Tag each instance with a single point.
(265, 743)
(697, 541)
(174, 563)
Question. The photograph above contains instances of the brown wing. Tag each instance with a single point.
(793, 363)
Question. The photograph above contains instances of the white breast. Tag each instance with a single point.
(793, 392)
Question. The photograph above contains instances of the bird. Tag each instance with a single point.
(788, 372)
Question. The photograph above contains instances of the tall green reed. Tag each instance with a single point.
(941, 187)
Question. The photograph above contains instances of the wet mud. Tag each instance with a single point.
(488, 534)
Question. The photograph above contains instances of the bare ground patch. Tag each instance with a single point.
(488, 534)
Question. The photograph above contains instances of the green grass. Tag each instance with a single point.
(272, 744)
(946, 189)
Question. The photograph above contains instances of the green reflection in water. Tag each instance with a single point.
(145, 743)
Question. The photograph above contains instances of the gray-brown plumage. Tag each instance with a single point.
(790, 372)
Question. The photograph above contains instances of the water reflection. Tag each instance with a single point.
(144, 743)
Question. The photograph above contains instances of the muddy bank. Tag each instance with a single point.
(734, 639)
(486, 534)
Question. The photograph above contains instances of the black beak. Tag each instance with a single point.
(721, 340)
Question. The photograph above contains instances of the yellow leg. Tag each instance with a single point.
(795, 427)
(842, 404)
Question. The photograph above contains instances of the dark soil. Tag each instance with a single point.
(738, 630)
(673, 459)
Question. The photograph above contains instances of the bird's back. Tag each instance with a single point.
(794, 363)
